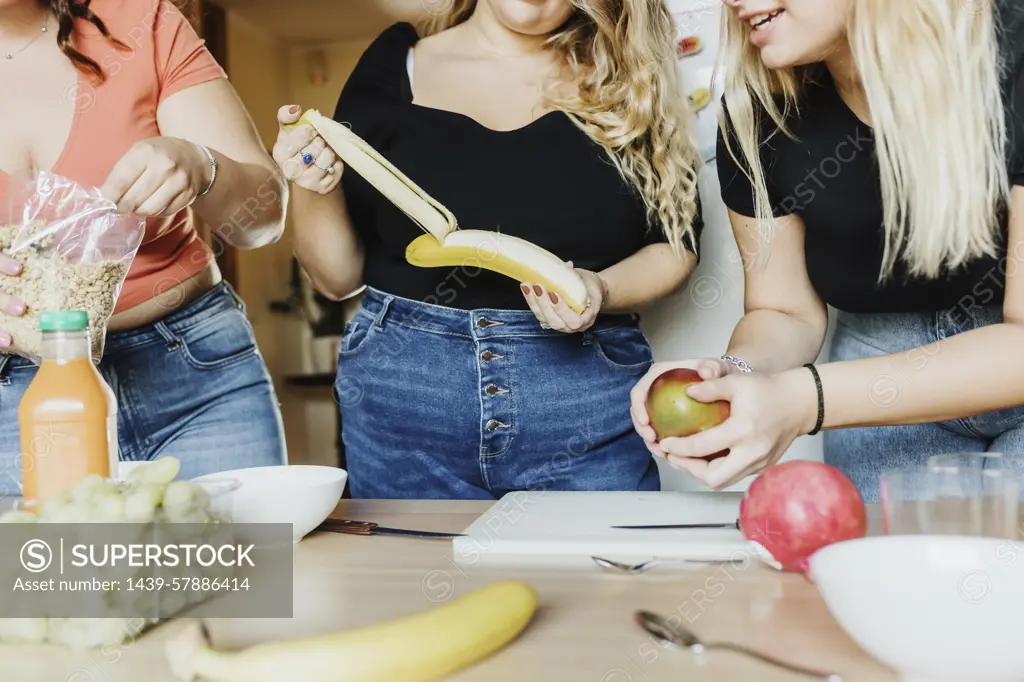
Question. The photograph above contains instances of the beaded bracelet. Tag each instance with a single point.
(821, 399)
(738, 363)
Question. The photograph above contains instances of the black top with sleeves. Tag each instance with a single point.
(546, 182)
(829, 177)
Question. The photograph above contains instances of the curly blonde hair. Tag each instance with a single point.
(931, 71)
(629, 100)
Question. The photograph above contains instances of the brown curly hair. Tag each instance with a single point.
(66, 11)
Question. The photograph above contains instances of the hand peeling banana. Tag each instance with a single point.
(445, 244)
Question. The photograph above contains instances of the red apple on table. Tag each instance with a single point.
(674, 414)
(795, 508)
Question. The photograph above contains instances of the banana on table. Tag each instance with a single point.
(445, 244)
(421, 647)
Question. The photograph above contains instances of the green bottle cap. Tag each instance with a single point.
(63, 320)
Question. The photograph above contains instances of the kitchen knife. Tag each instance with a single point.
(371, 528)
(734, 524)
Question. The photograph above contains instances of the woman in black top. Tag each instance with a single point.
(871, 160)
(560, 123)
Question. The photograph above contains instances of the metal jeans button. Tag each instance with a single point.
(494, 424)
(493, 389)
(484, 323)
(487, 356)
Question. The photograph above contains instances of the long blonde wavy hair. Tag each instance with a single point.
(630, 99)
(931, 72)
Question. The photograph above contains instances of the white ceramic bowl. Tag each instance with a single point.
(935, 608)
(300, 494)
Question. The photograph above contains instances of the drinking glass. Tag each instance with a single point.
(983, 463)
(951, 496)
(1011, 464)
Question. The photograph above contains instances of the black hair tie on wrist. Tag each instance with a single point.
(821, 399)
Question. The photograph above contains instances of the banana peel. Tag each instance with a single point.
(358, 155)
(445, 244)
(421, 647)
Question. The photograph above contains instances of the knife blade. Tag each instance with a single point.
(370, 528)
(734, 524)
(421, 533)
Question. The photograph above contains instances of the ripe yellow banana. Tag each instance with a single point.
(506, 255)
(418, 648)
(451, 246)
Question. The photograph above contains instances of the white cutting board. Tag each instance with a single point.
(567, 528)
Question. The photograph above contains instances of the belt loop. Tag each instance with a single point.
(161, 328)
(588, 337)
(5, 368)
(378, 321)
(230, 290)
(956, 319)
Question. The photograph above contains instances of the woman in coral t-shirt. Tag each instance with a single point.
(122, 95)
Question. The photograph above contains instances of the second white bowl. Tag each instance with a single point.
(300, 494)
(936, 608)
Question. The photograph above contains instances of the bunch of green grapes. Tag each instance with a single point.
(148, 494)
(159, 506)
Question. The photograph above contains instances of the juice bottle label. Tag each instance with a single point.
(58, 455)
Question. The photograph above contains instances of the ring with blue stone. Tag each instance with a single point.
(307, 158)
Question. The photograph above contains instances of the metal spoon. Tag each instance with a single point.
(632, 569)
(678, 636)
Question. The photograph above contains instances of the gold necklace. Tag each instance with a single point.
(10, 55)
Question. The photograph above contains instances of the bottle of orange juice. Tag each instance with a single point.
(68, 415)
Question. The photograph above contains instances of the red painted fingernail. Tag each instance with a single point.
(553, 296)
(526, 290)
(537, 290)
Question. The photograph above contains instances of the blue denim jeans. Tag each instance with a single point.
(863, 454)
(192, 385)
(444, 403)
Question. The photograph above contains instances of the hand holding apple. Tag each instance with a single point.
(674, 414)
(662, 408)
(766, 413)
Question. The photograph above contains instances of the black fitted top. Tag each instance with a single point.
(546, 182)
(829, 177)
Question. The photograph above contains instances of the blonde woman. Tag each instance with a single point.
(559, 122)
(871, 159)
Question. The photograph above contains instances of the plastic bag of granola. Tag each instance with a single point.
(75, 251)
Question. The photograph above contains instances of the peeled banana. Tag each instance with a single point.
(450, 246)
(501, 253)
(418, 648)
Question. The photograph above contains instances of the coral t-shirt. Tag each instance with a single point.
(165, 56)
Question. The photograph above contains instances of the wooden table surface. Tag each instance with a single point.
(583, 629)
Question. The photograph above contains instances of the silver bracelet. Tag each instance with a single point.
(739, 363)
(213, 164)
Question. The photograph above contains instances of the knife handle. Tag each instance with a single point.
(348, 527)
